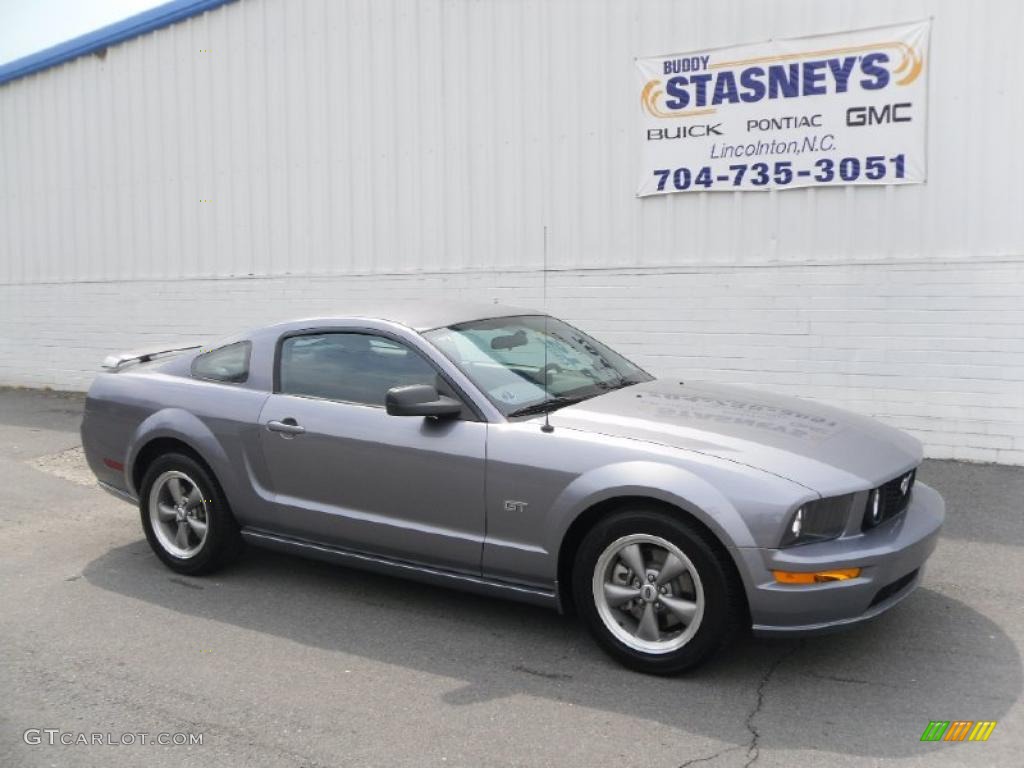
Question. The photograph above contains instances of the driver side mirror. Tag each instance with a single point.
(420, 400)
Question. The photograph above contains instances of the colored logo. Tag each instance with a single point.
(789, 75)
(958, 730)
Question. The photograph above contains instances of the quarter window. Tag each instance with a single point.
(229, 364)
(350, 367)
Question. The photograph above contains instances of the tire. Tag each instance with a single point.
(186, 517)
(696, 609)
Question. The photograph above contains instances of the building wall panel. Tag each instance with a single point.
(358, 136)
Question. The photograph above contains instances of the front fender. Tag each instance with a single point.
(673, 485)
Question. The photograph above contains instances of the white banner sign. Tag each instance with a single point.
(848, 108)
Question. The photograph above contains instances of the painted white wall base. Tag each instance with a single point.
(934, 348)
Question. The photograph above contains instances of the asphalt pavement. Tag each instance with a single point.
(279, 661)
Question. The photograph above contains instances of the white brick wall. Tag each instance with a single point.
(935, 348)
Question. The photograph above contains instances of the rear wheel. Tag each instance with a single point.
(185, 516)
(655, 591)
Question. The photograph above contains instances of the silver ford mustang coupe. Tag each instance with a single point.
(506, 452)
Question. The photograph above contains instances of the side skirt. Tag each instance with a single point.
(402, 569)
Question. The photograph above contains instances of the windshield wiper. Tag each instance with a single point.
(547, 405)
(611, 386)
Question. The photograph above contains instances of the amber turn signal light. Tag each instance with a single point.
(816, 577)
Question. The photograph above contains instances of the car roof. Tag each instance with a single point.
(422, 315)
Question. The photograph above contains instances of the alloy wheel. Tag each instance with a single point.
(178, 514)
(648, 593)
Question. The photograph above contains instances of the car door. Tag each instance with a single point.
(346, 473)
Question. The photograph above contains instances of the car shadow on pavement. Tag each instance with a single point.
(936, 657)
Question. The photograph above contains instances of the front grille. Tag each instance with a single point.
(891, 498)
(891, 589)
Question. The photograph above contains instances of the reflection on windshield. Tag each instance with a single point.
(529, 363)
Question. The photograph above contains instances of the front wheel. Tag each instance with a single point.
(655, 591)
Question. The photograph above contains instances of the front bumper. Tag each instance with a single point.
(891, 558)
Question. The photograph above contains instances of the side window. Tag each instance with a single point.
(228, 364)
(350, 367)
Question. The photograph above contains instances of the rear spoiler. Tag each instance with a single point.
(124, 359)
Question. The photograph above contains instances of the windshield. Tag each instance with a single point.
(529, 363)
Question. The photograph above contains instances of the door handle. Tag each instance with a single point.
(286, 427)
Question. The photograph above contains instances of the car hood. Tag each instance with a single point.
(826, 449)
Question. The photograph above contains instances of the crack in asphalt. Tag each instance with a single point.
(753, 748)
(542, 673)
(184, 583)
(719, 753)
(838, 679)
(849, 680)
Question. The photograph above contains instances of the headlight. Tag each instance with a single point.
(818, 520)
(888, 500)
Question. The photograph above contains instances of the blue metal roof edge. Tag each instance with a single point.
(133, 26)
